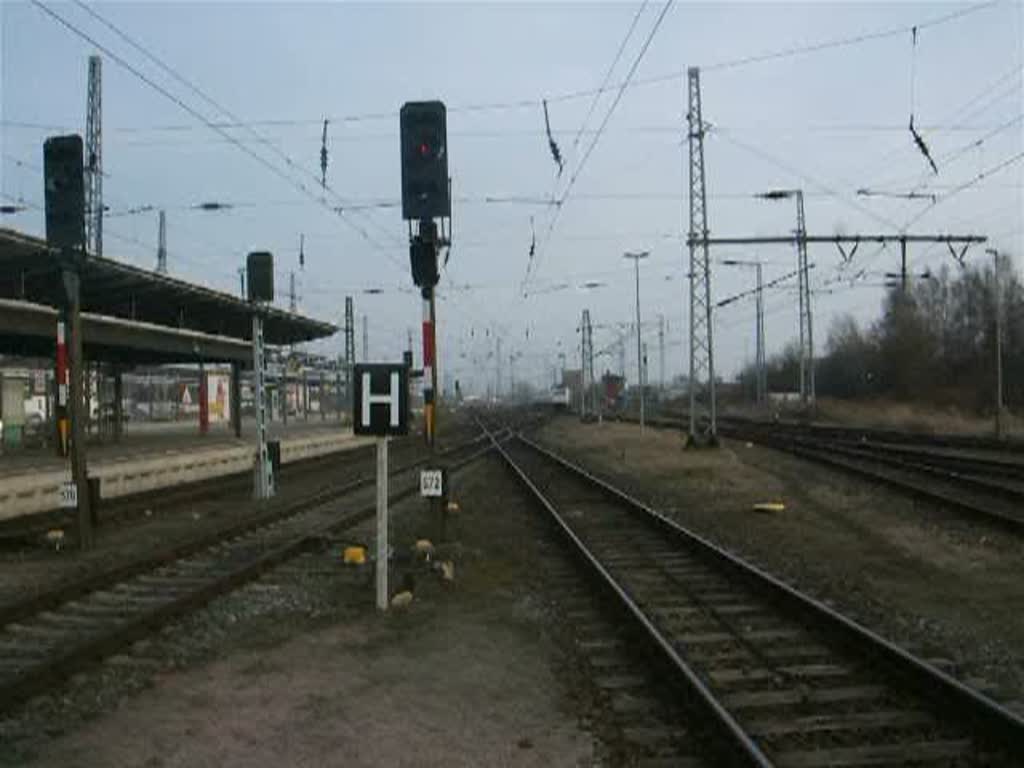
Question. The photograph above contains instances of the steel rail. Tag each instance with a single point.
(49, 670)
(726, 723)
(78, 587)
(983, 714)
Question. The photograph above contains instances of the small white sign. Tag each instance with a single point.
(431, 482)
(68, 493)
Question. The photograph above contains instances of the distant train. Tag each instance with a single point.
(558, 397)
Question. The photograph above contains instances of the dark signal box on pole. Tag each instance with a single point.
(64, 191)
(260, 276)
(424, 137)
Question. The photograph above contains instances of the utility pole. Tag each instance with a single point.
(512, 376)
(497, 372)
(241, 281)
(161, 249)
(903, 265)
(292, 302)
(264, 485)
(94, 159)
(997, 288)
(702, 357)
(661, 353)
(762, 365)
(350, 351)
(807, 358)
(366, 340)
(761, 381)
(807, 388)
(586, 361)
(643, 370)
(640, 357)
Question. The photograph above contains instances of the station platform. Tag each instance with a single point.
(151, 456)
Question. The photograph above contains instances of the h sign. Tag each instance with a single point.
(381, 402)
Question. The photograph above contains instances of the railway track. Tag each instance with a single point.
(27, 530)
(48, 637)
(779, 678)
(984, 486)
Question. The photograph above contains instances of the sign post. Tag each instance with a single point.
(382, 523)
(381, 408)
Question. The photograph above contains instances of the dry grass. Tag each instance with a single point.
(891, 414)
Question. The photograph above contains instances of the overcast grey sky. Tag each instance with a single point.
(830, 121)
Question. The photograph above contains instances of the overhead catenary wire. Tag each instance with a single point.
(206, 121)
(596, 138)
(228, 113)
(608, 75)
(533, 103)
(981, 176)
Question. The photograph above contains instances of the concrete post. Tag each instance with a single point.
(118, 403)
(235, 399)
(203, 395)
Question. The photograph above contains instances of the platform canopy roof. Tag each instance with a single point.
(30, 271)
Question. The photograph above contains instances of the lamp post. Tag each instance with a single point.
(761, 385)
(636, 256)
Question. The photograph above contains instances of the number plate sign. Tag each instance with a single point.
(432, 483)
(68, 493)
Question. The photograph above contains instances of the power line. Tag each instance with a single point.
(216, 105)
(791, 169)
(597, 137)
(220, 108)
(210, 124)
(844, 42)
(608, 74)
(966, 185)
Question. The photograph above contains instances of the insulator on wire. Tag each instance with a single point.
(556, 153)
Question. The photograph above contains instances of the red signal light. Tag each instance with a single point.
(424, 149)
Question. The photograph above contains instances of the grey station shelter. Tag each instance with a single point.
(133, 316)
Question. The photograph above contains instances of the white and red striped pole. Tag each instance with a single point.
(429, 366)
(63, 383)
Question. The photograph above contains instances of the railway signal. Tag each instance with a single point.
(426, 196)
(64, 195)
(64, 192)
(260, 282)
(424, 135)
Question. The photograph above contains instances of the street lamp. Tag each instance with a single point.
(636, 256)
(761, 386)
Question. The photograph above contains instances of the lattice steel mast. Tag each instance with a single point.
(94, 159)
(702, 361)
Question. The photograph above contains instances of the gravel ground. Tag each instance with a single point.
(924, 577)
(298, 669)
